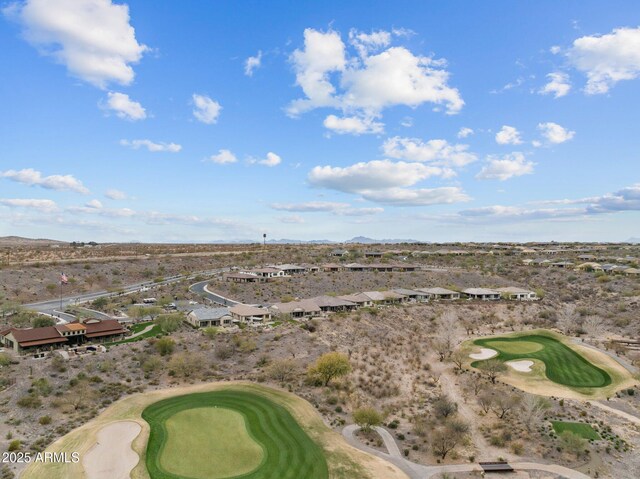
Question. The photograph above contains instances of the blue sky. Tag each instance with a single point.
(439, 121)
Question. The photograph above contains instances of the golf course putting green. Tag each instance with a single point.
(562, 364)
(227, 434)
(238, 428)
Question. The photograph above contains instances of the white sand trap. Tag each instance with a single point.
(112, 457)
(522, 366)
(485, 353)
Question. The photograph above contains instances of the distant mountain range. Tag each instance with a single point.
(20, 241)
(633, 240)
(365, 240)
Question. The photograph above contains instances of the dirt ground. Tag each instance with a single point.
(394, 354)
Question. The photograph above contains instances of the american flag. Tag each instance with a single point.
(63, 279)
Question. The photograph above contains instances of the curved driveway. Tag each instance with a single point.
(52, 307)
(419, 471)
(201, 289)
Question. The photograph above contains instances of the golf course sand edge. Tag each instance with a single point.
(523, 366)
(485, 353)
(344, 461)
(112, 456)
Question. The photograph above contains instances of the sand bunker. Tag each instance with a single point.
(485, 353)
(522, 366)
(112, 457)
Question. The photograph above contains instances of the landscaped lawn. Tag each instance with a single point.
(136, 328)
(230, 454)
(563, 365)
(579, 428)
(233, 433)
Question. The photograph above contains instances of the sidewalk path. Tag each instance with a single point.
(419, 471)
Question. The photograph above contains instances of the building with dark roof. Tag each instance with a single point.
(52, 337)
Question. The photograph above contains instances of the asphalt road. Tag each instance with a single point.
(200, 288)
(419, 471)
(54, 307)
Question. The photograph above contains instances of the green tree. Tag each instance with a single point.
(169, 322)
(5, 360)
(367, 418)
(100, 303)
(42, 321)
(165, 346)
(330, 366)
(210, 332)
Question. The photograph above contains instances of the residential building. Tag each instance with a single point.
(360, 299)
(515, 293)
(332, 267)
(385, 297)
(332, 304)
(205, 317)
(440, 293)
(244, 313)
(304, 308)
(412, 295)
(481, 293)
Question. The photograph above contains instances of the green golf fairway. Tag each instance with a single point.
(235, 453)
(579, 428)
(563, 365)
(228, 433)
(520, 347)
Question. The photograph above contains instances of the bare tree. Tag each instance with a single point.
(485, 400)
(476, 383)
(492, 367)
(445, 337)
(444, 407)
(504, 403)
(593, 326)
(568, 320)
(447, 437)
(282, 370)
(458, 357)
(532, 409)
(81, 394)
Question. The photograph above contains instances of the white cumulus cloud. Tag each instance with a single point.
(554, 133)
(205, 109)
(465, 132)
(93, 39)
(45, 206)
(607, 59)
(387, 182)
(223, 157)
(508, 135)
(271, 160)
(252, 63)
(509, 166)
(152, 146)
(366, 43)
(353, 125)
(340, 209)
(558, 85)
(113, 194)
(377, 77)
(437, 152)
(124, 107)
(31, 177)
